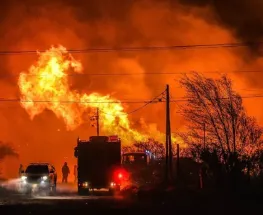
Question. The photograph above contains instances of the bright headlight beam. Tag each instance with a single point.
(44, 178)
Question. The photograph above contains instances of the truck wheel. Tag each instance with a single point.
(111, 191)
(114, 191)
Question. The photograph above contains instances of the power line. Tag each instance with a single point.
(133, 111)
(146, 73)
(142, 48)
(70, 102)
(243, 97)
(155, 100)
(143, 106)
(167, 73)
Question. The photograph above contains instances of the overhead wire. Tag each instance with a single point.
(156, 99)
(133, 111)
(68, 101)
(141, 48)
(146, 73)
(141, 107)
(175, 99)
(185, 99)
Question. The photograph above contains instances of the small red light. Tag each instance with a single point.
(119, 175)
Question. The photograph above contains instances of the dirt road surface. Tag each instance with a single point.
(66, 201)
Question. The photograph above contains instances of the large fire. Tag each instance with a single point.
(46, 86)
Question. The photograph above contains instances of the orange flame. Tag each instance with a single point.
(46, 86)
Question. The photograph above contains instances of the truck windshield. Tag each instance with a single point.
(37, 169)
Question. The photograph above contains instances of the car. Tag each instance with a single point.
(39, 177)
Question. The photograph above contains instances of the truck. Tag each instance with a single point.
(99, 164)
(141, 166)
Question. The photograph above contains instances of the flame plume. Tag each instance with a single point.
(46, 86)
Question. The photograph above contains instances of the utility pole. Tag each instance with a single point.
(169, 132)
(168, 142)
(178, 161)
(98, 122)
(166, 147)
(204, 136)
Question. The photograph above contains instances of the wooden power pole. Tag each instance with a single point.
(204, 136)
(98, 122)
(168, 142)
(178, 161)
(169, 133)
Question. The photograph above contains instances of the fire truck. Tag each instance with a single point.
(99, 164)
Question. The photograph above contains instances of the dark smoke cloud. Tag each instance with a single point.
(244, 17)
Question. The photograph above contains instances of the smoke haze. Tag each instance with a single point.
(33, 25)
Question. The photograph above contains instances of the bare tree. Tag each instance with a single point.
(6, 150)
(229, 131)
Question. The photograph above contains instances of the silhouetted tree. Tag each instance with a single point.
(6, 150)
(231, 135)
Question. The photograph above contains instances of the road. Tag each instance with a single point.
(66, 201)
(61, 205)
(66, 192)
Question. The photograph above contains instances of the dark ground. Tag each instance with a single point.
(155, 202)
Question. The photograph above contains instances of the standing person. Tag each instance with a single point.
(20, 170)
(75, 173)
(65, 173)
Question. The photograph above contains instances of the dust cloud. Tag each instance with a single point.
(36, 25)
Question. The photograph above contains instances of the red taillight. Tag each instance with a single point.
(119, 175)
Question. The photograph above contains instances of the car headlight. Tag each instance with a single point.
(44, 178)
(85, 184)
(23, 178)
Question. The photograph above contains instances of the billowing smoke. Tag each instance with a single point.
(31, 25)
(243, 17)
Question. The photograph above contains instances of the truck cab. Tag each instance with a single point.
(135, 158)
(139, 166)
(99, 164)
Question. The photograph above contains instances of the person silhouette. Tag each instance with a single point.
(65, 173)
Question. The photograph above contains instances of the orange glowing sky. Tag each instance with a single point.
(32, 26)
